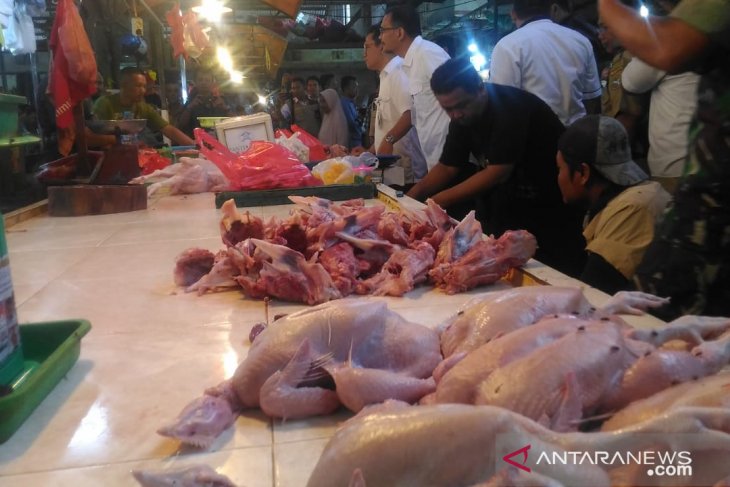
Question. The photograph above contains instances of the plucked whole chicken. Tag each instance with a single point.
(462, 445)
(351, 352)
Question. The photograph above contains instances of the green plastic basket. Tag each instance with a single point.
(50, 350)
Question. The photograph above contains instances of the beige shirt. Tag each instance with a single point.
(621, 232)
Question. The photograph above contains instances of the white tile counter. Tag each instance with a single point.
(152, 349)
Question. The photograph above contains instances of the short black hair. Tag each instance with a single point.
(374, 31)
(456, 73)
(405, 16)
(130, 71)
(296, 80)
(525, 9)
(346, 81)
(326, 79)
(313, 78)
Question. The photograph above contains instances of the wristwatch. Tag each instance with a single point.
(390, 139)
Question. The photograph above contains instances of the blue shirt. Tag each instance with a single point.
(353, 122)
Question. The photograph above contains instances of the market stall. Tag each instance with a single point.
(152, 348)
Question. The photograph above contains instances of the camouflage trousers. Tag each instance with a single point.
(689, 259)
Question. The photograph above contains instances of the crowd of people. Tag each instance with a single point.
(553, 145)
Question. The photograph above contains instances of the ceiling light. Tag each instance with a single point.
(224, 58)
(211, 10)
(236, 77)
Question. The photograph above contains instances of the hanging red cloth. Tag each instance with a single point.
(72, 70)
(174, 20)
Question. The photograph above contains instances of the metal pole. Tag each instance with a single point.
(36, 99)
(183, 81)
(152, 13)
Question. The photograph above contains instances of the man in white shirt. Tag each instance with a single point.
(400, 32)
(548, 60)
(673, 104)
(394, 133)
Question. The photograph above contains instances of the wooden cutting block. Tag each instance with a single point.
(95, 199)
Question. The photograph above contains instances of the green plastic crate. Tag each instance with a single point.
(9, 114)
(50, 350)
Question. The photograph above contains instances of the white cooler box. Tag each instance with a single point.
(236, 133)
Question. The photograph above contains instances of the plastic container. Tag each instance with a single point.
(50, 350)
(9, 114)
(11, 353)
(209, 122)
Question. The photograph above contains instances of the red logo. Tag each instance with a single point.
(508, 458)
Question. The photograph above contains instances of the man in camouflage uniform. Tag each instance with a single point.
(689, 259)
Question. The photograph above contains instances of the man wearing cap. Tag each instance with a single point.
(595, 169)
(513, 135)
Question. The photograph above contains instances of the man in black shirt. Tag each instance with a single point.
(513, 135)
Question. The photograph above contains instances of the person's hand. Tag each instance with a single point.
(356, 151)
(338, 150)
(385, 148)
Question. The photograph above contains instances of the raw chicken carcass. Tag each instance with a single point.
(496, 313)
(459, 240)
(462, 445)
(595, 366)
(368, 352)
(201, 421)
(191, 265)
(460, 383)
(556, 383)
(287, 275)
(403, 270)
(486, 316)
(711, 391)
(187, 177)
(486, 262)
(195, 476)
(236, 227)
(430, 225)
(347, 340)
(659, 369)
(221, 276)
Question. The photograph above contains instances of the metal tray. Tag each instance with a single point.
(266, 197)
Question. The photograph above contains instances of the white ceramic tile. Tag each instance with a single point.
(42, 266)
(154, 231)
(61, 237)
(124, 387)
(309, 428)
(294, 462)
(135, 261)
(24, 292)
(249, 467)
(129, 306)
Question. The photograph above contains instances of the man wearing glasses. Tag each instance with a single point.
(394, 133)
(400, 34)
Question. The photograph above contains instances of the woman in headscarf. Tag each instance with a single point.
(334, 124)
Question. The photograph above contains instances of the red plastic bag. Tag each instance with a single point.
(77, 48)
(317, 151)
(264, 165)
(150, 161)
(282, 133)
